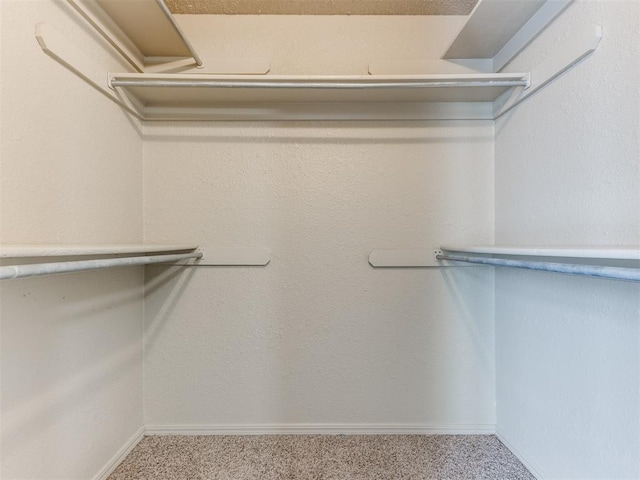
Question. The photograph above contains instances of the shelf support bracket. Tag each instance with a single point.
(577, 48)
(111, 33)
(66, 54)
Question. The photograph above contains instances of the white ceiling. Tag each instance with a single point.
(322, 7)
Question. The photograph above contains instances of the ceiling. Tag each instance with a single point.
(322, 7)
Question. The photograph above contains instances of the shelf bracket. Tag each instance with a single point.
(582, 44)
(106, 18)
(110, 32)
(234, 257)
(70, 57)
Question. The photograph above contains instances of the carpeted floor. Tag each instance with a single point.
(321, 457)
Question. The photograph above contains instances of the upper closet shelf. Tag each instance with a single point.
(131, 28)
(498, 30)
(188, 96)
(144, 32)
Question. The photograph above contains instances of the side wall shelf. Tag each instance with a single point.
(612, 262)
(617, 252)
(584, 261)
(120, 255)
(30, 251)
(144, 32)
(125, 256)
(497, 30)
(490, 25)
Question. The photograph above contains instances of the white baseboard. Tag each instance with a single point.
(297, 429)
(526, 461)
(321, 428)
(112, 464)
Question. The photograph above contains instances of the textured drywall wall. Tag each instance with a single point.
(319, 337)
(322, 7)
(323, 45)
(71, 346)
(567, 172)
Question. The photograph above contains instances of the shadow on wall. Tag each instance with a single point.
(63, 347)
(316, 132)
(156, 278)
(471, 291)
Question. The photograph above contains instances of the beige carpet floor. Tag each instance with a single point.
(321, 457)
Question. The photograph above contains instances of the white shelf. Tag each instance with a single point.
(490, 26)
(498, 30)
(211, 255)
(201, 97)
(143, 31)
(402, 258)
(619, 252)
(25, 251)
(610, 262)
(188, 96)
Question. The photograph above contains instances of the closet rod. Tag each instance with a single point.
(38, 269)
(598, 271)
(314, 84)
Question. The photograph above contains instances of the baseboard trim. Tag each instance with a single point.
(304, 429)
(322, 429)
(117, 459)
(535, 470)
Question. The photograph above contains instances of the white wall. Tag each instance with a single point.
(71, 346)
(567, 172)
(318, 337)
(325, 45)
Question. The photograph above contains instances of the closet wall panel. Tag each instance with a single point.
(318, 336)
(71, 345)
(567, 173)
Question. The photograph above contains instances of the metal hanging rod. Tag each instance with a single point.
(326, 84)
(39, 269)
(598, 271)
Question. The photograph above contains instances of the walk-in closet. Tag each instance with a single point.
(319, 239)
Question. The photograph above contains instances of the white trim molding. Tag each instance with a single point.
(120, 455)
(535, 470)
(298, 429)
(323, 429)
